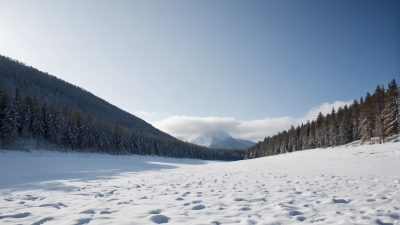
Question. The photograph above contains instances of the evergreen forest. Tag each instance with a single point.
(28, 122)
(52, 114)
(371, 119)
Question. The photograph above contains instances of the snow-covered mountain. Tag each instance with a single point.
(217, 139)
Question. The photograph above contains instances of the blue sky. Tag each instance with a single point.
(172, 62)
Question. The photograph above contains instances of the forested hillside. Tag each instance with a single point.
(28, 122)
(50, 89)
(374, 116)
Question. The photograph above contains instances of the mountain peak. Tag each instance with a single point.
(217, 139)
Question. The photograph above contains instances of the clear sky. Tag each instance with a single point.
(180, 64)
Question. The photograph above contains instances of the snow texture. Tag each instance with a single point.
(343, 185)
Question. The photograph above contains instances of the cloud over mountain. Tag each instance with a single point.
(253, 130)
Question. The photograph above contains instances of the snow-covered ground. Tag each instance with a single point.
(346, 185)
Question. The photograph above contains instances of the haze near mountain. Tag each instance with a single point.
(217, 139)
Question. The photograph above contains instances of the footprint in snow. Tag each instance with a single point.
(159, 219)
(216, 223)
(157, 211)
(301, 218)
(125, 202)
(339, 201)
(83, 221)
(198, 207)
(89, 211)
(295, 213)
(245, 209)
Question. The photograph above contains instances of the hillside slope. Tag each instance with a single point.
(29, 80)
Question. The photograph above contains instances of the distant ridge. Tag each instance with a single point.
(217, 139)
(14, 74)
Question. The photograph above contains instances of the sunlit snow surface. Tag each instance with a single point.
(353, 185)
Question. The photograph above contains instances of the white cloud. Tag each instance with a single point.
(254, 130)
(144, 113)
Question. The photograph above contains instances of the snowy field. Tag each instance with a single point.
(347, 185)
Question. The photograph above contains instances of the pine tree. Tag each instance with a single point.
(379, 132)
(390, 125)
(333, 132)
(346, 130)
(17, 107)
(365, 132)
(320, 132)
(27, 117)
(37, 124)
(355, 120)
(9, 121)
(52, 126)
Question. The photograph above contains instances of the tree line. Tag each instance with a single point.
(26, 121)
(373, 117)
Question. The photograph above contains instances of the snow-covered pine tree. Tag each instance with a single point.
(116, 138)
(18, 109)
(333, 132)
(52, 127)
(311, 137)
(345, 130)
(44, 117)
(9, 121)
(37, 124)
(320, 130)
(378, 131)
(390, 125)
(27, 117)
(355, 120)
(72, 130)
(365, 131)
(65, 121)
(84, 131)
